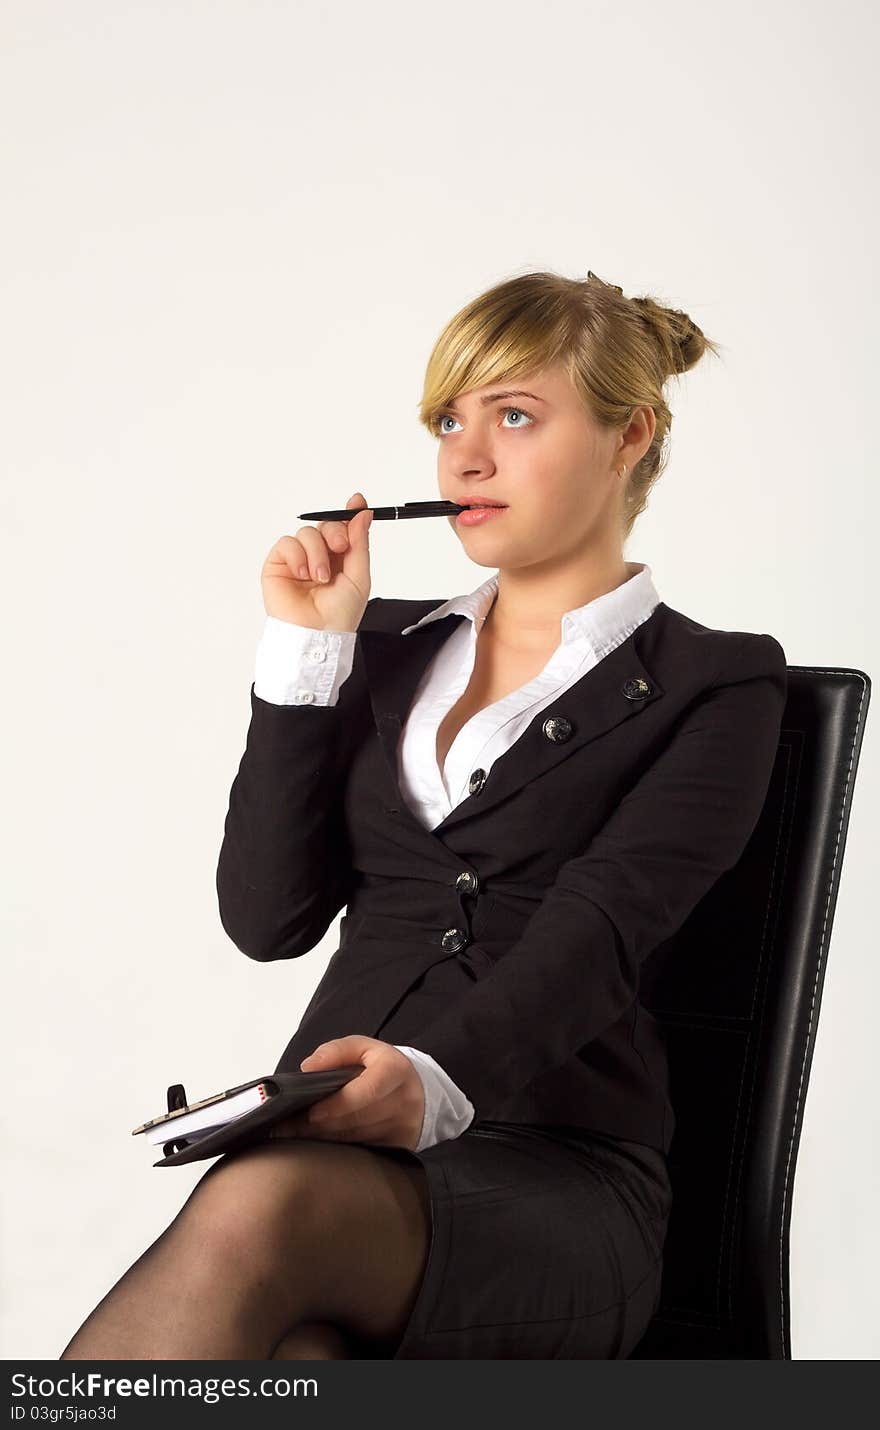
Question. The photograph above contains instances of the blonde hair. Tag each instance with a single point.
(618, 352)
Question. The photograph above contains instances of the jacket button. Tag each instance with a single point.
(557, 729)
(453, 940)
(467, 883)
(636, 688)
(476, 781)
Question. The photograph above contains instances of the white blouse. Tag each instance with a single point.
(297, 665)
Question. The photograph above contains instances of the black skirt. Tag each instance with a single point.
(546, 1244)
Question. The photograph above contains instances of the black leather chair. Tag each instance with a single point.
(738, 991)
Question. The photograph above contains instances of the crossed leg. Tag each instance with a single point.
(315, 1340)
(291, 1248)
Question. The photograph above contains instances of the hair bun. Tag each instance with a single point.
(615, 286)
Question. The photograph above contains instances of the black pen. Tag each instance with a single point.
(389, 513)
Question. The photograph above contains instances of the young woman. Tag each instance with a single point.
(518, 795)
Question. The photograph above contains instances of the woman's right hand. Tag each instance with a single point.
(292, 589)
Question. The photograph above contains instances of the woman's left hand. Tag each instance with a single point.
(383, 1105)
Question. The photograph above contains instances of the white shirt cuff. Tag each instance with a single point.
(296, 665)
(447, 1111)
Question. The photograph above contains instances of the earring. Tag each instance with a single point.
(622, 473)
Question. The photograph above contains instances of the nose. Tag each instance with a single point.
(472, 458)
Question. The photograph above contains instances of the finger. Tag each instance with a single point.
(345, 1103)
(356, 561)
(318, 553)
(338, 1110)
(286, 557)
(383, 1072)
(336, 533)
(336, 1052)
(362, 1130)
(381, 1078)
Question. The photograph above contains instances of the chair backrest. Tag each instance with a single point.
(737, 992)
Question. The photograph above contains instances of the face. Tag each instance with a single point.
(542, 455)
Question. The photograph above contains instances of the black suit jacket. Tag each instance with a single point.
(508, 942)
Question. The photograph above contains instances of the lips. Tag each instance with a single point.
(483, 502)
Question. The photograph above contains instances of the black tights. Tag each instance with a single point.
(295, 1249)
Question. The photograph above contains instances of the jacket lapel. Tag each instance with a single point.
(614, 690)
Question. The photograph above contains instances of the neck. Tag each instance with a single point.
(529, 605)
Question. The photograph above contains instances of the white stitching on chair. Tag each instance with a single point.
(859, 674)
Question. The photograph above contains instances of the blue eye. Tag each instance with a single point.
(441, 431)
(522, 413)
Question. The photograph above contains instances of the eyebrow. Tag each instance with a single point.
(508, 392)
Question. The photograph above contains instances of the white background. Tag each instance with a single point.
(232, 233)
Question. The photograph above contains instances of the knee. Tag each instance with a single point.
(314, 1340)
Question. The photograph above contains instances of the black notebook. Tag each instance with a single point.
(238, 1117)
